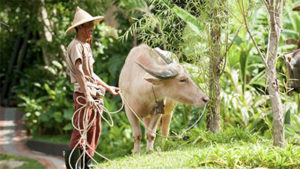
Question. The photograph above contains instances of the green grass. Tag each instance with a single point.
(28, 163)
(233, 148)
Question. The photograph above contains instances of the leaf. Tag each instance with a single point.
(290, 32)
(58, 117)
(191, 20)
(23, 97)
(37, 113)
(243, 66)
(68, 114)
(49, 90)
(292, 128)
(297, 120)
(37, 84)
(44, 118)
(68, 127)
(287, 118)
(258, 79)
(51, 70)
(57, 64)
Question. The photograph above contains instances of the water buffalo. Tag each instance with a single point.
(149, 76)
(292, 61)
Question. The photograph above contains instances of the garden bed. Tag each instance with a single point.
(53, 145)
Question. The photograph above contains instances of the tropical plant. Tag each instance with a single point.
(46, 108)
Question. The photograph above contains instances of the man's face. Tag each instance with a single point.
(89, 28)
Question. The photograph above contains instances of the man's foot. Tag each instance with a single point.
(71, 163)
(89, 164)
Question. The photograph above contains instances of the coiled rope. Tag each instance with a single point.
(86, 125)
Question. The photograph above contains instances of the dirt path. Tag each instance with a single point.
(13, 138)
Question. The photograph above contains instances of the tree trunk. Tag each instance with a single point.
(213, 116)
(298, 102)
(47, 34)
(8, 76)
(275, 11)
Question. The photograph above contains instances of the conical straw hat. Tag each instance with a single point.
(82, 17)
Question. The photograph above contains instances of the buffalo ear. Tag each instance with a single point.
(153, 80)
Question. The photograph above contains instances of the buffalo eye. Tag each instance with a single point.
(183, 80)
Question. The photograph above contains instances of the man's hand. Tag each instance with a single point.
(114, 90)
(90, 102)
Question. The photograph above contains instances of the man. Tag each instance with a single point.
(88, 87)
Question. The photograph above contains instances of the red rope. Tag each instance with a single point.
(87, 36)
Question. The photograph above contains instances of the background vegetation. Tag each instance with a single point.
(40, 84)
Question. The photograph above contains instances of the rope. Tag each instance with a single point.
(124, 100)
(100, 108)
(187, 129)
(86, 125)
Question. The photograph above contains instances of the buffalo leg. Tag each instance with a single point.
(146, 121)
(165, 124)
(166, 118)
(151, 131)
(136, 130)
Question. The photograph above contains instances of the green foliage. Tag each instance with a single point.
(46, 91)
(46, 108)
(292, 129)
(117, 140)
(244, 99)
(191, 20)
(110, 54)
(247, 97)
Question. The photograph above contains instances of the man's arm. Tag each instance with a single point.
(111, 89)
(82, 83)
(100, 82)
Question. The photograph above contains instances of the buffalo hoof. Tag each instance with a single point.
(136, 153)
(149, 151)
(185, 138)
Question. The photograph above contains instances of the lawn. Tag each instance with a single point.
(25, 163)
(233, 148)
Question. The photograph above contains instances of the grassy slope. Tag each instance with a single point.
(233, 148)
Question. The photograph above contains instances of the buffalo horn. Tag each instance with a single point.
(167, 60)
(166, 74)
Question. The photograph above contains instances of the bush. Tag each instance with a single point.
(46, 93)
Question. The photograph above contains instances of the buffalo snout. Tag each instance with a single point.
(205, 99)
